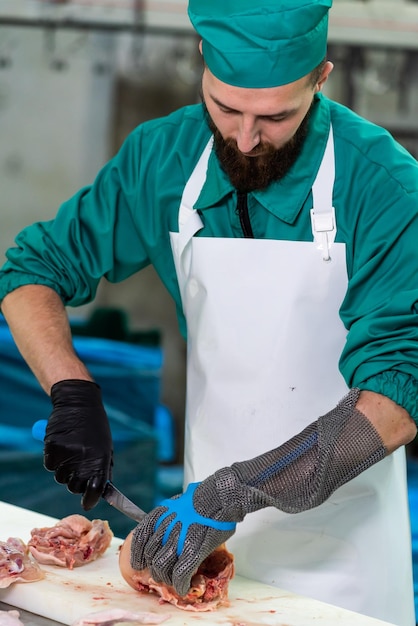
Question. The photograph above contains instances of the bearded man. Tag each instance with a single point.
(285, 227)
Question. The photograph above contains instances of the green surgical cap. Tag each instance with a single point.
(261, 43)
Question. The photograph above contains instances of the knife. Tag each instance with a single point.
(112, 495)
(120, 502)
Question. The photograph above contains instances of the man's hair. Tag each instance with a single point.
(315, 75)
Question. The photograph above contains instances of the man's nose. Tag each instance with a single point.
(248, 135)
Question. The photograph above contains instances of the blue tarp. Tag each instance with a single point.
(129, 375)
(412, 468)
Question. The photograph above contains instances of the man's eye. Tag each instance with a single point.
(274, 119)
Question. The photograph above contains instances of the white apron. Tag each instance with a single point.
(264, 339)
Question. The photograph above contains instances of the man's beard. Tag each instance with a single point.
(251, 173)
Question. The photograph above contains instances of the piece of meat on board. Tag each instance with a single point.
(10, 618)
(72, 542)
(16, 564)
(209, 585)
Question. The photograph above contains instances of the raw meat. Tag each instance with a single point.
(209, 585)
(10, 618)
(72, 542)
(118, 616)
(16, 564)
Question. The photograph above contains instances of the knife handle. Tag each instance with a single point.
(39, 430)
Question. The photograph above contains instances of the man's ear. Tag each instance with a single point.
(200, 46)
(328, 67)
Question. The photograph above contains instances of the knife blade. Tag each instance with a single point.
(119, 501)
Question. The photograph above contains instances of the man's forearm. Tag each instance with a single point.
(391, 421)
(305, 470)
(39, 324)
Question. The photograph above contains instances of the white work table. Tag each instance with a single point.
(64, 596)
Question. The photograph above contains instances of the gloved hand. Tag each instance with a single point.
(78, 441)
(174, 539)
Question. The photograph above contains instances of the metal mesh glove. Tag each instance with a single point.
(174, 539)
(78, 441)
(302, 473)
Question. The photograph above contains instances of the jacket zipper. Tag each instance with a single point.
(244, 217)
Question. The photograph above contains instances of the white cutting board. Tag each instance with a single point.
(65, 596)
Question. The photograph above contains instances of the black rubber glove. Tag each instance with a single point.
(78, 441)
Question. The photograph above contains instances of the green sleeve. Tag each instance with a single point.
(119, 224)
(380, 309)
(93, 235)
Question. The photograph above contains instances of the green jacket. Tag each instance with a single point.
(121, 223)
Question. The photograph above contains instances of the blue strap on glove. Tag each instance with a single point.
(186, 513)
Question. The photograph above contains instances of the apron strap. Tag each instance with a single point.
(324, 227)
(189, 219)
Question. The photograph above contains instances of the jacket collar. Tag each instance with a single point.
(294, 188)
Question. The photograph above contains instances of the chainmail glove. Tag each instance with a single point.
(78, 441)
(174, 539)
(178, 535)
